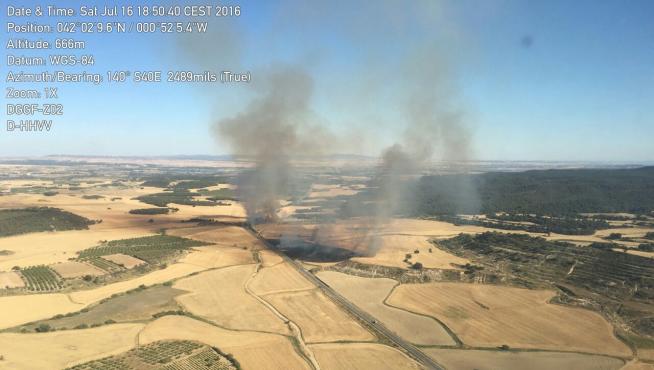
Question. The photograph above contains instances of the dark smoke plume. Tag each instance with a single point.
(434, 130)
(278, 125)
(274, 128)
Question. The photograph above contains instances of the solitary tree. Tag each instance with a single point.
(417, 266)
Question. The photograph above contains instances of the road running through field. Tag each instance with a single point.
(355, 311)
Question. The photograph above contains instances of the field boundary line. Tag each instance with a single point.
(450, 332)
(295, 329)
(524, 350)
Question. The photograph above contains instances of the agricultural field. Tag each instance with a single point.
(152, 249)
(192, 287)
(173, 271)
(279, 278)
(50, 248)
(638, 365)
(41, 279)
(509, 360)
(253, 350)
(269, 258)
(164, 355)
(104, 264)
(393, 241)
(124, 260)
(28, 308)
(617, 284)
(11, 279)
(61, 349)
(214, 257)
(394, 249)
(20, 309)
(73, 269)
(492, 316)
(319, 318)
(224, 236)
(207, 358)
(329, 191)
(364, 356)
(370, 295)
(135, 305)
(243, 312)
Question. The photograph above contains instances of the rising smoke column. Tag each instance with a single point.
(435, 129)
(274, 128)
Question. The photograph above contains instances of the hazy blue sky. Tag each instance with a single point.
(551, 80)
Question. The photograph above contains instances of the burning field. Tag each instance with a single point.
(285, 253)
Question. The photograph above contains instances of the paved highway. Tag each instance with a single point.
(382, 330)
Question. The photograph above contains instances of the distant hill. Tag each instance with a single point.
(553, 192)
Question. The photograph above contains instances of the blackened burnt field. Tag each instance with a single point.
(297, 248)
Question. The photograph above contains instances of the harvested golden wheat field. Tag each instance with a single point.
(279, 278)
(226, 236)
(369, 294)
(360, 356)
(124, 260)
(220, 296)
(394, 248)
(456, 359)
(10, 280)
(320, 319)
(490, 316)
(252, 349)
(47, 248)
(57, 350)
(73, 269)
(213, 257)
(20, 309)
(171, 272)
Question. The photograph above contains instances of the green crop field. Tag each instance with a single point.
(36, 219)
(151, 249)
(41, 278)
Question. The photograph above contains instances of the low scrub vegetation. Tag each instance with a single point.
(184, 182)
(545, 192)
(36, 219)
(532, 223)
(177, 197)
(219, 194)
(150, 211)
